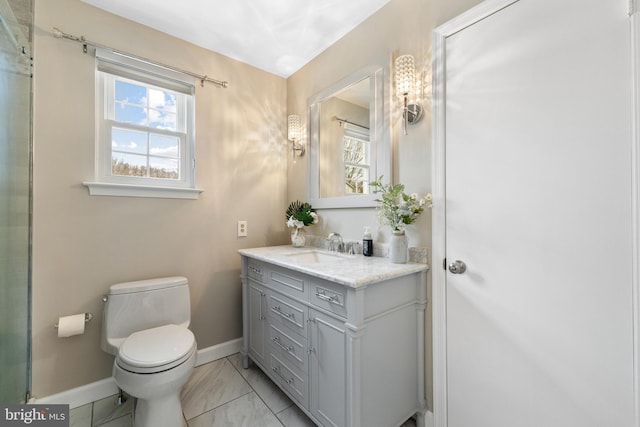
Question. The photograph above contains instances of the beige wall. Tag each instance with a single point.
(401, 27)
(82, 244)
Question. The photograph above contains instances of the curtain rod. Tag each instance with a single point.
(62, 35)
(342, 121)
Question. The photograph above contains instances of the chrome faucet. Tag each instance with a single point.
(353, 248)
(332, 238)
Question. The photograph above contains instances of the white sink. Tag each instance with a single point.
(314, 256)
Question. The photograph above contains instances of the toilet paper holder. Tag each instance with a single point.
(87, 318)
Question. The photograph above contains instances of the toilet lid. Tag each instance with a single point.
(156, 349)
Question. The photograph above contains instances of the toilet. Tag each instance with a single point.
(145, 325)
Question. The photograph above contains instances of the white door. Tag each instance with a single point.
(537, 194)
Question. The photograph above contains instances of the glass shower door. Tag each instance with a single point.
(15, 198)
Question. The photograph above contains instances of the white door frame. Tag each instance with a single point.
(634, 22)
(438, 298)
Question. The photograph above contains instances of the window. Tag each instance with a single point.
(145, 136)
(357, 161)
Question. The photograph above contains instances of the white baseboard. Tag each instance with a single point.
(82, 395)
(218, 351)
(91, 392)
(424, 418)
(428, 419)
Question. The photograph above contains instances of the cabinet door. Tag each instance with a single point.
(328, 369)
(257, 322)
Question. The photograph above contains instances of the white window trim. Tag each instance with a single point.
(130, 190)
(106, 184)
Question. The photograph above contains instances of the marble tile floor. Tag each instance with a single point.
(218, 394)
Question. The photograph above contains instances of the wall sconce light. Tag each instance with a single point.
(405, 71)
(293, 135)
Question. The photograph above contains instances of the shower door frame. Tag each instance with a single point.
(23, 67)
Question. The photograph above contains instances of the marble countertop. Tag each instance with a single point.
(349, 270)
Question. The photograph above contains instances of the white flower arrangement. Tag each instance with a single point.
(398, 209)
(301, 214)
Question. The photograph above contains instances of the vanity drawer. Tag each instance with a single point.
(284, 312)
(256, 270)
(329, 296)
(291, 347)
(292, 284)
(290, 381)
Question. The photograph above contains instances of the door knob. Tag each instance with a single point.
(457, 267)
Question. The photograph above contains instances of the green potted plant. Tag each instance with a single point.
(398, 209)
(299, 215)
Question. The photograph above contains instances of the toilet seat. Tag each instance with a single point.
(156, 350)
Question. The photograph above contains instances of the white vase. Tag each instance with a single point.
(298, 238)
(398, 248)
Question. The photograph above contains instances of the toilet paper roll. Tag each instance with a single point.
(71, 325)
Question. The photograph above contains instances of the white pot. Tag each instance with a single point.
(298, 238)
(398, 248)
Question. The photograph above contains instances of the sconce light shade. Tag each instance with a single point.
(405, 75)
(293, 128)
(405, 71)
(293, 135)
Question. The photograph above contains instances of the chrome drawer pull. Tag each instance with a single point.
(276, 369)
(262, 295)
(281, 313)
(333, 298)
(277, 341)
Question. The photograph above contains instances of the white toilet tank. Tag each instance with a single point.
(144, 304)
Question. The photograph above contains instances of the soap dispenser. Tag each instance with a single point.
(367, 243)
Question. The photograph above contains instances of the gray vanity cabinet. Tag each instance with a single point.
(347, 355)
(327, 369)
(257, 321)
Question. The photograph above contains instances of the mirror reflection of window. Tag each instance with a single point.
(345, 155)
(357, 160)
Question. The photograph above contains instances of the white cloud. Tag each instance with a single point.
(165, 151)
(166, 120)
(131, 145)
(162, 100)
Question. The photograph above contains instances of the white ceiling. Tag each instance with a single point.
(279, 36)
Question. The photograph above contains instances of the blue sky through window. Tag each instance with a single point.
(129, 141)
(147, 151)
(145, 106)
(130, 93)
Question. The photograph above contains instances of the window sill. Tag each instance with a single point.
(128, 190)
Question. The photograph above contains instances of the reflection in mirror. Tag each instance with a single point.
(348, 144)
(344, 143)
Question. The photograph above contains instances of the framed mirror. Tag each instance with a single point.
(348, 141)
